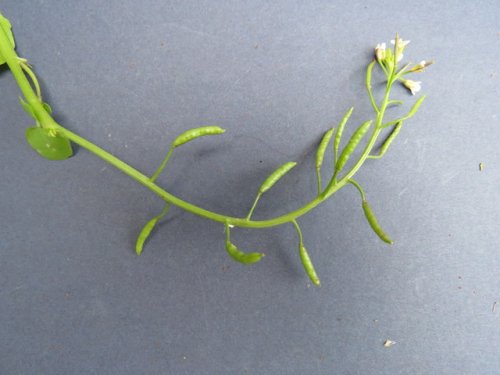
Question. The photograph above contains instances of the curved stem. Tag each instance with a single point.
(299, 232)
(48, 122)
(358, 186)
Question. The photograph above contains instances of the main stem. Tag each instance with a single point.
(12, 61)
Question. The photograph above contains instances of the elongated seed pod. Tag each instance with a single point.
(145, 232)
(320, 154)
(240, 256)
(340, 130)
(390, 138)
(275, 176)
(351, 145)
(308, 266)
(416, 106)
(372, 220)
(196, 133)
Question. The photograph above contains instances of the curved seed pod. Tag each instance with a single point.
(390, 138)
(340, 130)
(351, 145)
(275, 176)
(320, 154)
(372, 220)
(144, 234)
(240, 256)
(196, 133)
(308, 266)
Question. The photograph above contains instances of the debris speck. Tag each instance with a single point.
(388, 343)
(494, 306)
(481, 167)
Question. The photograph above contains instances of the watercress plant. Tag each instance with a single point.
(52, 141)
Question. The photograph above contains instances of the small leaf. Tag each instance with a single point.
(48, 143)
(47, 107)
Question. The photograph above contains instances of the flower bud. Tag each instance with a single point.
(420, 66)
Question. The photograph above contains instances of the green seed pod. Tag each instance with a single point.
(236, 254)
(416, 106)
(308, 266)
(340, 130)
(145, 232)
(372, 220)
(240, 256)
(320, 154)
(390, 138)
(196, 133)
(275, 176)
(351, 145)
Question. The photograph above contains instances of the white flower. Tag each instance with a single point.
(401, 46)
(413, 86)
(380, 52)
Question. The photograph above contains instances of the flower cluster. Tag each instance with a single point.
(388, 60)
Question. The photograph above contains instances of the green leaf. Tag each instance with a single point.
(48, 143)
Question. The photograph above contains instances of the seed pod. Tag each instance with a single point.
(196, 133)
(308, 266)
(145, 232)
(351, 145)
(340, 130)
(322, 148)
(372, 220)
(275, 176)
(416, 106)
(390, 138)
(240, 256)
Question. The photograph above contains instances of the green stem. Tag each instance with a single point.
(163, 164)
(299, 232)
(318, 181)
(253, 206)
(48, 122)
(358, 186)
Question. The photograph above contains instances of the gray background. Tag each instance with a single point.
(130, 76)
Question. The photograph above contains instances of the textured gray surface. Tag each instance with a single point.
(129, 75)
